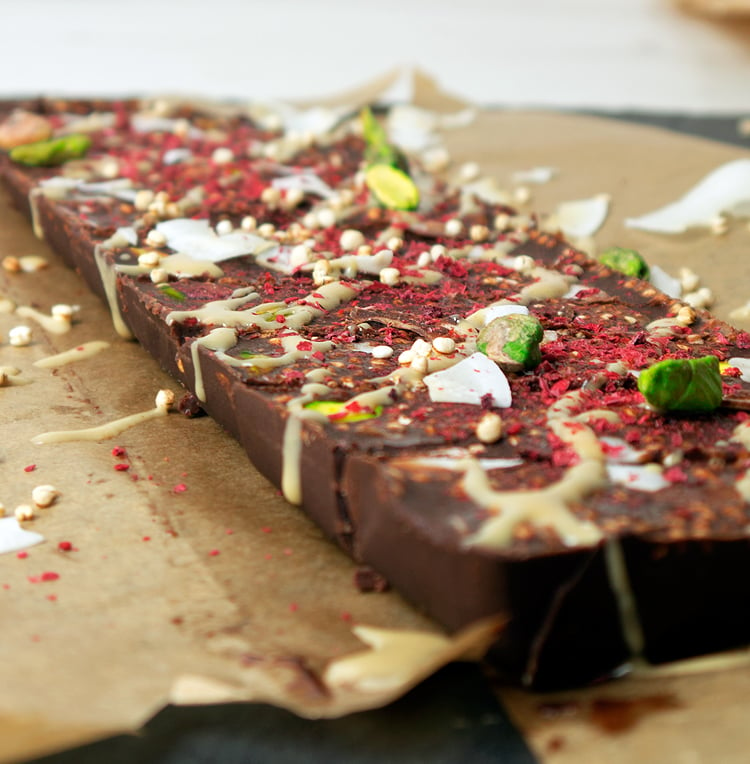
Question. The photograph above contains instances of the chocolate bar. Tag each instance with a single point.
(454, 395)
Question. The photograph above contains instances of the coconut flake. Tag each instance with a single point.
(639, 477)
(277, 259)
(582, 217)
(128, 234)
(14, 538)
(469, 381)
(664, 282)
(307, 182)
(491, 312)
(574, 290)
(619, 451)
(149, 123)
(724, 190)
(486, 190)
(198, 240)
(743, 364)
(538, 175)
(58, 186)
(118, 188)
(175, 156)
(412, 128)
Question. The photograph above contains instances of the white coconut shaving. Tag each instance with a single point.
(619, 451)
(743, 364)
(491, 312)
(469, 381)
(670, 285)
(199, 241)
(307, 182)
(638, 477)
(13, 538)
(580, 218)
(725, 190)
(536, 175)
(150, 123)
(175, 156)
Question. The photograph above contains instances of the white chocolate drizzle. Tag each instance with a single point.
(544, 507)
(291, 477)
(49, 323)
(226, 313)
(619, 582)
(108, 430)
(741, 435)
(108, 276)
(78, 353)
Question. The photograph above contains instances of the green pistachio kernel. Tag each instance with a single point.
(170, 291)
(692, 384)
(51, 153)
(392, 187)
(387, 174)
(512, 341)
(341, 411)
(626, 261)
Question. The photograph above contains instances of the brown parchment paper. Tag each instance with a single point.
(221, 591)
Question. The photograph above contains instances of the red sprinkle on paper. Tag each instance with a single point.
(146, 538)
(180, 488)
(22, 555)
(287, 551)
(229, 531)
(122, 467)
(48, 575)
(29, 468)
(118, 451)
(214, 552)
(293, 607)
(266, 529)
(346, 616)
(52, 597)
(65, 546)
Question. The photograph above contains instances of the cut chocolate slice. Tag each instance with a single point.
(339, 341)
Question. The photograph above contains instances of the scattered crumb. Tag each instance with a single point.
(367, 580)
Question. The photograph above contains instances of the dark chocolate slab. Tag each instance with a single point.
(370, 483)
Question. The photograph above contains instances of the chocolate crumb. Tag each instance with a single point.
(190, 406)
(366, 579)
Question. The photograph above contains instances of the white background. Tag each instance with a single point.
(614, 54)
